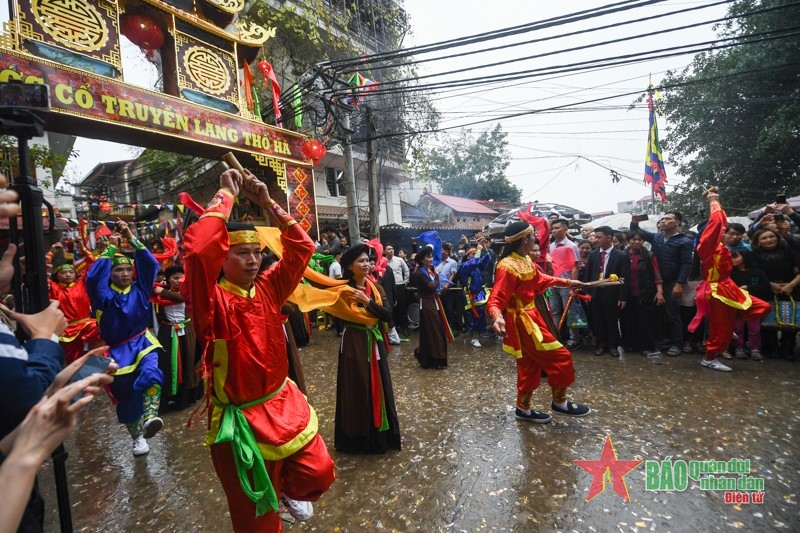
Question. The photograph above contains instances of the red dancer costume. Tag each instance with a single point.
(260, 423)
(718, 296)
(527, 337)
(69, 288)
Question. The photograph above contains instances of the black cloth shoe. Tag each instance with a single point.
(573, 409)
(599, 351)
(536, 417)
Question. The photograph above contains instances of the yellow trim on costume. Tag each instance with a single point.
(235, 289)
(126, 290)
(531, 327)
(153, 346)
(215, 214)
(78, 334)
(226, 193)
(520, 266)
(220, 372)
(276, 453)
(245, 236)
(713, 272)
(732, 303)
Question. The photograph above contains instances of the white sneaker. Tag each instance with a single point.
(476, 343)
(715, 365)
(301, 510)
(140, 446)
(152, 426)
(394, 337)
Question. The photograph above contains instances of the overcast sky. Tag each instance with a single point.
(556, 156)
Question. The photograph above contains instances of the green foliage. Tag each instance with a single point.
(736, 114)
(167, 171)
(471, 168)
(40, 156)
(316, 31)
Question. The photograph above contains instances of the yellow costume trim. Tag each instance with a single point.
(237, 290)
(276, 453)
(153, 346)
(126, 290)
(732, 303)
(78, 334)
(531, 327)
(215, 214)
(520, 266)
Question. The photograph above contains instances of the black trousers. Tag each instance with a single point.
(400, 311)
(605, 319)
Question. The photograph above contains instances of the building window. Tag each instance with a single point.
(334, 181)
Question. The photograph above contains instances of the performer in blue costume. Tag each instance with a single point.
(477, 294)
(122, 309)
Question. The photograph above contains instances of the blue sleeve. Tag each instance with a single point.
(22, 383)
(646, 235)
(146, 270)
(97, 282)
(685, 262)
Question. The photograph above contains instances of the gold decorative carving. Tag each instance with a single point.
(276, 165)
(229, 6)
(26, 29)
(253, 34)
(8, 38)
(75, 24)
(207, 70)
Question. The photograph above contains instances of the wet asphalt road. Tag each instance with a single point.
(467, 464)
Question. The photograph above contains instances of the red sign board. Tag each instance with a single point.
(103, 108)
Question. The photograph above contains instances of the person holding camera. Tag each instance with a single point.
(26, 372)
(122, 305)
(44, 428)
(673, 251)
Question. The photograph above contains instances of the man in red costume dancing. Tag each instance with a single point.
(718, 296)
(262, 432)
(527, 337)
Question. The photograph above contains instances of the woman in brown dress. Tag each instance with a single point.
(366, 417)
(434, 330)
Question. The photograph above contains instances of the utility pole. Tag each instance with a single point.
(372, 179)
(350, 180)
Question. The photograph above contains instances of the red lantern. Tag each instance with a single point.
(143, 32)
(314, 150)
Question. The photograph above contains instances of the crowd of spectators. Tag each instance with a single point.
(649, 313)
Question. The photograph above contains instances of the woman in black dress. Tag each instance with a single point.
(434, 330)
(366, 416)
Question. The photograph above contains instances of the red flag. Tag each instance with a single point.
(269, 74)
(542, 228)
(101, 231)
(248, 85)
(84, 231)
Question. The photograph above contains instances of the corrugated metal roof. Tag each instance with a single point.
(335, 211)
(462, 205)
